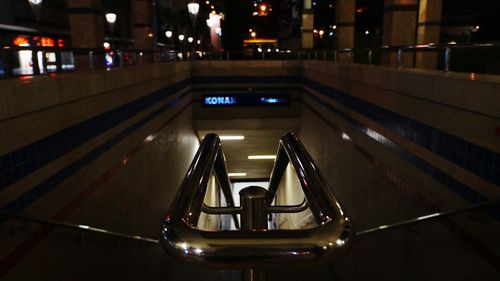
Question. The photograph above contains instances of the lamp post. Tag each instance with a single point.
(193, 9)
(111, 20)
(36, 5)
(181, 44)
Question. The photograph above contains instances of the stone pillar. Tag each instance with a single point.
(429, 29)
(400, 27)
(87, 31)
(345, 19)
(307, 41)
(142, 32)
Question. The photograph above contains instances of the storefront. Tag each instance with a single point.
(18, 46)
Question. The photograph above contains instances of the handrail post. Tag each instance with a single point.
(253, 217)
(335, 56)
(58, 61)
(8, 62)
(91, 60)
(447, 53)
(370, 54)
(227, 56)
(399, 58)
(34, 59)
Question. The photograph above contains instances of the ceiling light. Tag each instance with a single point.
(237, 174)
(231, 137)
(261, 157)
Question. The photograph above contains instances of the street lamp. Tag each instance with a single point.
(190, 39)
(169, 34)
(193, 9)
(36, 5)
(111, 20)
(181, 37)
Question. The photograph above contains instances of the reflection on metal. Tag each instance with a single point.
(255, 248)
(428, 217)
(289, 208)
(77, 227)
(270, 209)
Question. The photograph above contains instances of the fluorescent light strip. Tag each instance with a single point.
(237, 174)
(262, 157)
(231, 137)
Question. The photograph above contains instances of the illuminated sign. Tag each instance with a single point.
(21, 41)
(246, 100)
(47, 42)
(220, 100)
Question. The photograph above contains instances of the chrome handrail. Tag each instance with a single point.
(76, 227)
(252, 248)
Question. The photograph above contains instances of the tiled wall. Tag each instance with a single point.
(396, 152)
(70, 123)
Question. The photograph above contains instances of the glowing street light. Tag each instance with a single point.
(110, 17)
(181, 37)
(190, 39)
(169, 33)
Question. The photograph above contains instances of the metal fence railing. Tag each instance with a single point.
(464, 57)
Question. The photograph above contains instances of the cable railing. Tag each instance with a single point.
(463, 57)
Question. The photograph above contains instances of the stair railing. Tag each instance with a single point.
(253, 245)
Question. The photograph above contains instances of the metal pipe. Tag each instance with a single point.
(91, 60)
(447, 54)
(77, 227)
(253, 218)
(428, 217)
(370, 53)
(399, 58)
(222, 178)
(289, 208)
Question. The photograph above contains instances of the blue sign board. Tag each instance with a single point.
(246, 100)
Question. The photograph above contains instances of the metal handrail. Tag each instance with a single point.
(76, 227)
(251, 248)
(428, 217)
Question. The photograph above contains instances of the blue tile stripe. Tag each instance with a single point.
(478, 160)
(25, 160)
(47, 185)
(454, 185)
